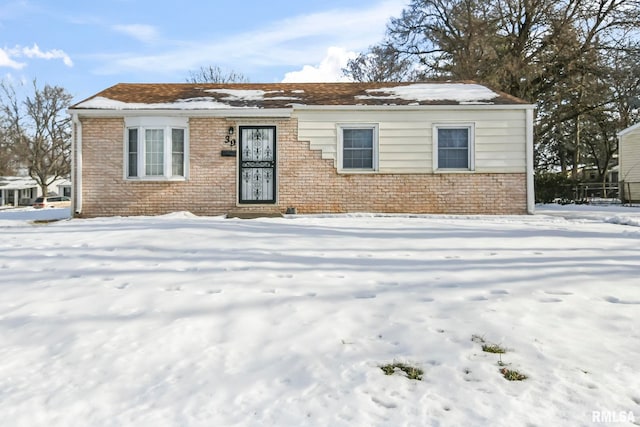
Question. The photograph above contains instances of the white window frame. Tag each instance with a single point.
(376, 143)
(471, 161)
(166, 124)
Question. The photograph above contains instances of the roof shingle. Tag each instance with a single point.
(287, 95)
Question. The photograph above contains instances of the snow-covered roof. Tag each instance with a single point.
(190, 96)
(17, 183)
(629, 130)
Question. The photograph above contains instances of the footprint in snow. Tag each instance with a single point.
(499, 292)
(478, 298)
(364, 295)
(448, 285)
(615, 300)
(388, 405)
(210, 292)
(546, 300)
(558, 293)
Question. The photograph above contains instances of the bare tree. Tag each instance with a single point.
(556, 53)
(39, 131)
(215, 74)
(8, 161)
(381, 63)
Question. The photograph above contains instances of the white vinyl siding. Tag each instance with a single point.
(630, 156)
(405, 138)
(629, 160)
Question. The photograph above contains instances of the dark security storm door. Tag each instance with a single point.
(257, 164)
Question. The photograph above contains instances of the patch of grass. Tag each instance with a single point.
(411, 372)
(493, 348)
(44, 221)
(512, 375)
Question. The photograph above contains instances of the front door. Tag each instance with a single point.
(257, 164)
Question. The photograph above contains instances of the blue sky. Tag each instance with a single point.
(86, 46)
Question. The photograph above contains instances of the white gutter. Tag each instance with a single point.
(278, 113)
(531, 201)
(394, 107)
(76, 164)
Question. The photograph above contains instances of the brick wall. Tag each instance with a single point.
(210, 189)
(305, 180)
(312, 185)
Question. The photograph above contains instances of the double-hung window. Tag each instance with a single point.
(358, 147)
(453, 147)
(156, 148)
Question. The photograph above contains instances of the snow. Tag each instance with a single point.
(180, 320)
(459, 92)
(17, 183)
(250, 95)
(198, 103)
(201, 103)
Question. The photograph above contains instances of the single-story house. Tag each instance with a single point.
(17, 190)
(629, 162)
(23, 190)
(146, 149)
(63, 187)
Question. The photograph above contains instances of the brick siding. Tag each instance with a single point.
(305, 181)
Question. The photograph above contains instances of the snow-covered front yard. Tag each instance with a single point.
(190, 321)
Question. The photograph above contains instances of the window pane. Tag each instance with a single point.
(154, 152)
(132, 149)
(177, 152)
(453, 148)
(357, 148)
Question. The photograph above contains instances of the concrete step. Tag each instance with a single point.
(254, 213)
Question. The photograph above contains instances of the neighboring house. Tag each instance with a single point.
(23, 190)
(63, 187)
(146, 149)
(17, 190)
(629, 162)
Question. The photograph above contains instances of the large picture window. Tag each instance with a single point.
(358, 147)
(453, 147)
(156, 149)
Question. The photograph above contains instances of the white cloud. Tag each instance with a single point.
(144, 33)
(8, 56)
(291, 43)
(35, 52)
(6, 61)
(329, 69)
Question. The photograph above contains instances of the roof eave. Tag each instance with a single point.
(474, 106)
(629, 130)
(223, 112)
(283, 112)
